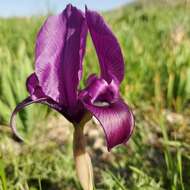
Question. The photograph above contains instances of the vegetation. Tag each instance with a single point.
(155, 40)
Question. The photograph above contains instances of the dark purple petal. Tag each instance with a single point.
(96, 88)
(115, 118)
(99, 90)
(74, 116)
(107, 47)
(60, 48)
(91, 79)
(43, 100)
(32, 85)
(18, 108)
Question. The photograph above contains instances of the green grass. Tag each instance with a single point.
(2, 176)
(155, 40)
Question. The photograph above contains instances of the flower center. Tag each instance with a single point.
(99, 92)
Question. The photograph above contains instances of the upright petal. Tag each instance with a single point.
(116, 120)
(60, 48)
(107, 47)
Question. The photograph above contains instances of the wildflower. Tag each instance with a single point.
(59, 53)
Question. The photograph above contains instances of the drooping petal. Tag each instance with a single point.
(116, 120)
(18, 108)
(60, 48)
(36, 94)
(107, 47)
(43, 100)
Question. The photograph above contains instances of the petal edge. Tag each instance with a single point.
(116, 119)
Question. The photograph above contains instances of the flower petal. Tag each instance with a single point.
(60, 48)
(43, 100)
(116, 120)
(18, 108)
(100, 91)
(107, 47)
(32, 85)
(73, 115)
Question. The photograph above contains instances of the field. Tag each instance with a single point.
(155, 40)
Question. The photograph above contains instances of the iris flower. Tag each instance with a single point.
(59, 52)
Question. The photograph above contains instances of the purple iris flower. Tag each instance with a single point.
(59, 53)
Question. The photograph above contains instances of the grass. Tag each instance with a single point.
(2, 175)
(155, 40)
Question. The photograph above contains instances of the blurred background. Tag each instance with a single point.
(155, 40)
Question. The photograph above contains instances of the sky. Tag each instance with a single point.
(9, 8)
